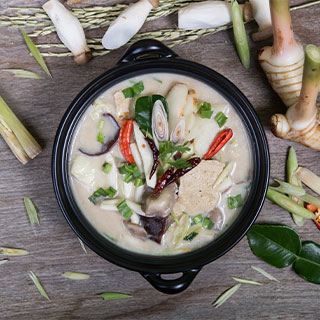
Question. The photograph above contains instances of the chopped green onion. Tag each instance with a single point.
(221, 119)
(156, 79)
(114, 296)
(100, 124)
(106, 167)
(225, 296)
(133, 169)
(122, 170)
(20, 73)
(240, 35)
(197, 219)
(31, 210)
(190, 236)
(38, 285)
(75, 275)
(247, 281)
(136, 89)
(138, 182)
(128, 178)
(207, 223)
(100, 137)
(110, 192)
(36, 53)
(205, 110)
(289, 189)
(124, 209)
(235, 202)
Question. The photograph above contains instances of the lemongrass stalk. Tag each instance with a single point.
(308, 198)
(288, 204)
(301, 122)
(283, 62)
(309, 179)
(18, 138)
(288, 188)
(292, 166)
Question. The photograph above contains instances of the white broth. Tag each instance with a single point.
(190, 211)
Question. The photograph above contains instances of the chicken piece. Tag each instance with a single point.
(196, 193)
(122, 105)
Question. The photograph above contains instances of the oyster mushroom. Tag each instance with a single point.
(218, 218)
(161, 205)
(136, 230)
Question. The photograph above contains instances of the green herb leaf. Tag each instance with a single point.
(235, 202)
(204, 109)
(265, 273)
(36, 53)
(307, 264)
(276, 245)
(207, 223)
(31, 210)
(75, 275)
(143, 110)
(221, 119)
(167, 149)
(20, 73)
(247, 281)
(114, 296)
(180, 163)
(190, 236)
(226, 295)
(38, 285)
(197, 219)
(124, 209)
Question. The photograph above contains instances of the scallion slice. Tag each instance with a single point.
(138, 182)
(106, 167)
(128, 178)
(190, 236)
(235, 202)
(221, 119)
(122, 170)
(110, 192)
(197, 219)
(205, 110)
(100, 124)
(136, 89)
(124, 209)
(100, 137)
(207, 223)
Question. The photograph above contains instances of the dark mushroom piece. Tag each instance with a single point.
(218, 218)
(136, 230)
(103, 148)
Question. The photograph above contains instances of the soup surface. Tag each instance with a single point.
(160, 164)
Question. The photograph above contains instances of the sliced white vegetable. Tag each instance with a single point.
(111, 179)
(127, 189)
(262, 15)
(190, 110)
(83, 170)
(139, 192)
(126, 25)
(110, 205)
(122, 105)
(69, 30)
(135, 207)
(146, 155)
(206, 14)
(136, 156)
(134, 218)
(177, 100)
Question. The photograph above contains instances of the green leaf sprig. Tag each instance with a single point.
(280, 246)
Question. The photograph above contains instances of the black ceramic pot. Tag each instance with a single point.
(143, 57)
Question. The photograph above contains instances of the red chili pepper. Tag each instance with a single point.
(316, 211)
(162, 182)
(125, 139)
(220, 140)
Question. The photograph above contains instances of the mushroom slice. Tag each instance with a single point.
(218, 218)
(162, 204)
(156, 227)
(136, 230)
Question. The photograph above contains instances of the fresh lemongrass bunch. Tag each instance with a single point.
(18, 138)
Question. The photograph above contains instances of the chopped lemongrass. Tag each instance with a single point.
(4, 251)
(207, 223)
(38, 285)
(247, 281)
(100, 124)
(197, 219)
(124, 209)
(75, 275)
(18, 138)
(310, 199)
(265, 273)
(31, 210)
(20, 73)
(114, 296)
(309, 179)
(288, 204)
(82, 245)
(106, 167)
(225, 173)
(226, 295)
(221, 119)
(174, 217)
(36, 53)
(3, 261)
(289, 189)
(235, 202)
(240, 35)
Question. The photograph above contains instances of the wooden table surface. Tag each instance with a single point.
(53, 246)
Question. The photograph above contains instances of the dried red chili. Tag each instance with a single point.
(162, 182)
(155, 153)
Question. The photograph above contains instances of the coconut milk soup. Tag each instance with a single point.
(160, 164)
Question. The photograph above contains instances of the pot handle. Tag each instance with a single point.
(147, 49)
(171, 286)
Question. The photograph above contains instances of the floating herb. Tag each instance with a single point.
(180, 163)
(207, 223)
(156, 79)
(38, 285)
(221, 119)
(226, 295)
(136, 89)
(36, 54)
(235, 202)
(247, 281)
(31, 210)
(75, 275)
(197, 219)
(124, 209)
(204, 109)
(265, 273)
(106, 167)
(190, 236)
(4, 251)
(110, 192)
(114, 296)
(20, 73)
(167, 149)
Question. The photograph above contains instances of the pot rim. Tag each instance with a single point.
(154, 263)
